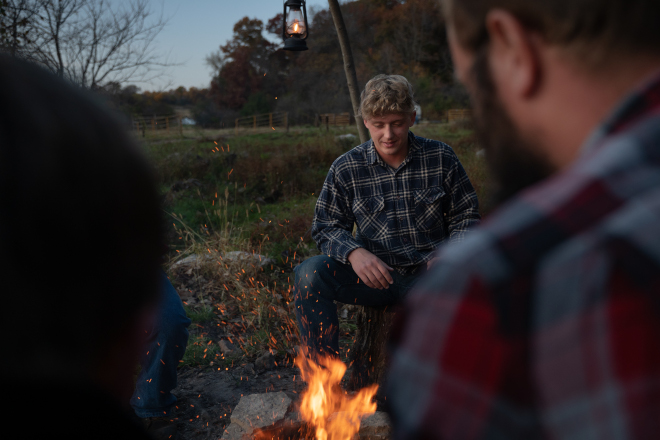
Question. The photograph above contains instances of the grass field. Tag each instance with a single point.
(255, 193)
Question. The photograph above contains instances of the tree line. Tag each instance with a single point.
(109, 46)
(406, 37)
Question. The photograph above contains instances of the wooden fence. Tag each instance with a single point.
(265, 121)
(458, 114)
(153, 123)
(344, 119)
(334, 119)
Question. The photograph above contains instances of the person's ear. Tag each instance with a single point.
(412, 118)
(513, 54)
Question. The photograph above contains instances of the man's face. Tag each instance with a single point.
(390, 134)
(514, 163)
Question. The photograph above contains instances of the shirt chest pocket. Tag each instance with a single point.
(371, 217)
(428, 208)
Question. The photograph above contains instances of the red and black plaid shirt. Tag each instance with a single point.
(545, 321)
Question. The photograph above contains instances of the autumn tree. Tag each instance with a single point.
(241, 64)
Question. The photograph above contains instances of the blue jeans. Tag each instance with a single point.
(320, 281)
(167, 344)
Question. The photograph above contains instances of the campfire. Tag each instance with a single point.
(327, 411)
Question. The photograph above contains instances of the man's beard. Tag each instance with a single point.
(514, 164)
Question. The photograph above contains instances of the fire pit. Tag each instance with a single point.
(324, 412)
(286, 431)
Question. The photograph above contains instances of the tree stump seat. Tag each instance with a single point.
(369, 352)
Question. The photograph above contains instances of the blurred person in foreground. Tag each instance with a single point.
(167, 339)
(545, 321)
(406, 194)
(80, 251)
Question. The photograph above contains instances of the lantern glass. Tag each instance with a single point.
(295, 23)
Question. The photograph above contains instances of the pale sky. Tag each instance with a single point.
(198, 27)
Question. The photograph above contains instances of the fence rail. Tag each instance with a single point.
(153, 123)
(459, 114)
(266, 120)
(334, 119)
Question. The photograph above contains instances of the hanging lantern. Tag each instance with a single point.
(294, 29)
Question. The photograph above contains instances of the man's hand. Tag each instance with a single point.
(372, 270)
(431, 262)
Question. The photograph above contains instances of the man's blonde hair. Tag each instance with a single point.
(385, 95)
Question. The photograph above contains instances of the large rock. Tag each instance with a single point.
(261, 260)
(256, 411)
(265, 362)
(375, 427)
(196, 259)
(192, 260)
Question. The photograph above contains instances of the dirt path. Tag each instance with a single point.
(206, 397)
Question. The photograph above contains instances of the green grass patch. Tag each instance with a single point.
(199, 314)
(201, 351)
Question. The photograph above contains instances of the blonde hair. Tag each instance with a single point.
(386, 94)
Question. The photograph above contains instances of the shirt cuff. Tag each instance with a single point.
(341, 251)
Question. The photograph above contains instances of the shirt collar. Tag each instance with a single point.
(640, 102)
(373, 158)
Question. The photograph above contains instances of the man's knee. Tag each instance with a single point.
(312, 274)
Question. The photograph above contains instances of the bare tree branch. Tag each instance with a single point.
(94, 42)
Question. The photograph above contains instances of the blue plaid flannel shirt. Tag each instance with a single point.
(402, 215)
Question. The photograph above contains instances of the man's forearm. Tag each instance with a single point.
(336, 243)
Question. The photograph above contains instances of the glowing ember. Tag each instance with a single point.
(331, 411)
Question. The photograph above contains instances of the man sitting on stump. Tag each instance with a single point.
(406, 194)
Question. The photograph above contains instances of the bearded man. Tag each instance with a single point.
(545, 322)
(406, 194)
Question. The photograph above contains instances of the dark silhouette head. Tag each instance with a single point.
(80, 232)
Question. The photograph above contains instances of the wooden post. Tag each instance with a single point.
(153, 124)
(327, 122)
(254, 122)
(236, 129)
(349, 66)
(167, 124)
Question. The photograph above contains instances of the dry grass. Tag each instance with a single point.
(242, 302)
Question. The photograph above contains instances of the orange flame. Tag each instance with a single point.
(295, 28)
(334, 414)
